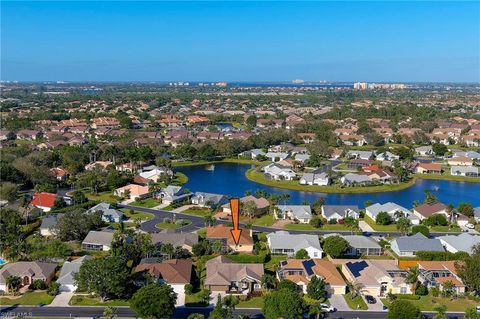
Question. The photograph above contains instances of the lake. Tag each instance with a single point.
(230, 179)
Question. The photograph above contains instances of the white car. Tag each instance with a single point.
(470, 226)
(478, 309)
(327, 308)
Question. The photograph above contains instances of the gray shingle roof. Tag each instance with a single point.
(329, 210)
(418, 242)
(463, 242)
(285, 240)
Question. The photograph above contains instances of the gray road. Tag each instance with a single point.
(181, 312)
(197, 222)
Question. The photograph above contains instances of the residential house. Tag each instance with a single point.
(437, 273)
(462, 242)
(424, 150)
(253, 154)
(223, 234)
(470, 171)
(44, 201)
(225, 276)
(59, 173)
(173, 194)
(476, 214)
(183, 240)
(98, 240)
(98, 164)
(359, 163)
(340, 212)
(261, 204)
(361, 246)
(48, 224)
(377, 277)
(302, 158)
(352, 140)
(300, 213)
(28, 271)
(387, 156)
(132, 191)
(352, 179)
(395, 211)
(460, 161)
(428, 168)
(425, 211)
(29, 134)
(109, 213)
(66, 278)
(279, 172)
(282, 242)
(301, 272)
(354, 154)
(276, 156)
(174, 272)
(336, 153)
(209, 200)
(320, 178)
(408, 246)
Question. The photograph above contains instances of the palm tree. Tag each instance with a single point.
(441, 310)
(354, 288)
(412, 278)
(316, 309)
(209, 220)
(13, 283)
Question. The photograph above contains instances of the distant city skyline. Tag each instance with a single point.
(241, 41)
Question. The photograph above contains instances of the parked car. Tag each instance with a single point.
(478, 309)
(327, 308)
(370, 299)
(470, 226)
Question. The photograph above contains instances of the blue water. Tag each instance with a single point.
(230, 179)
(2, 262)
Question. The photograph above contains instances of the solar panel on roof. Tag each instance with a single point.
(356, 267)
(308, 264)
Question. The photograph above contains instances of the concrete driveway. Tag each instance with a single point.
(378, 306)
(61, 300)
(338, 301)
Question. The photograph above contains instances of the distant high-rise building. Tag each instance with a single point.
(298, 81)
(360, 85)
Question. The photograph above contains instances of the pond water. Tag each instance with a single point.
(230, 179)
(2, 262)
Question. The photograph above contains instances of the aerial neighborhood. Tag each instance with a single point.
(348, 201)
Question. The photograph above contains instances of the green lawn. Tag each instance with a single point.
(299, 227)
(195, 300)
(386, 228)
(164, 225)
(148, 203)
(198, 211)
(255, 302)
(137, 214)
(104, 197)
(273, 262)
(264, 220)
(258, 177)
(444, 229)
(447, 176)
(335, 227)
(95, 301)
(355, 303)
(429, 303)
(30, 298)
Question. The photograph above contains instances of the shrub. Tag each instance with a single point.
(38, 284)
(332, 221)
(188, 289)
(422, 229)
(421, 290)
(316, 222)
(301, 254)
(53, 288)
(407, 297)
(436, 220)
(383, 218)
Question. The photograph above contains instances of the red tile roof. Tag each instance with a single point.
(43, 199)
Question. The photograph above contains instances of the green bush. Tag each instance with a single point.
(188, 289)
(53, 288)
(421, 290)
(38, 284)
(407, 297)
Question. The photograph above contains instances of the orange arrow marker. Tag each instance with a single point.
(234, 207)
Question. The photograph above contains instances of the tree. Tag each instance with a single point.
(154, 301)
(436, 220)
(196, 316)
(10, 234)
(421, 290)
(53, 288)
(465, 209)
(354, 288)
(383, 218)
(301, 254)
(412, 277)
(316, 289)
(220, 311)
(13, 283)
(441, 310)
(287, 284)
(430, 198)
(8, 191)
(471, 313)
(421, 229)
(316, 222)
(93, 272)
(403, 225)
(335, 246)
(283, 303)
(248, 208)
(269, 281)
(351, 223)
(75, 224)
(110, 313)
(251, 121)
(317, 206)
(403, 309)
(439, 149)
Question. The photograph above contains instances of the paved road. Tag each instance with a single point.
(197, 223)
(181, 312)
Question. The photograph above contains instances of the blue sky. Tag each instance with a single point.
(240, 41)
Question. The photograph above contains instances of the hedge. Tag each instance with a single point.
(85, 205)
(407, 297)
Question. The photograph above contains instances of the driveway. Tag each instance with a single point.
(61, 300)
(378, 306)
(365, 227)
(339, 303)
